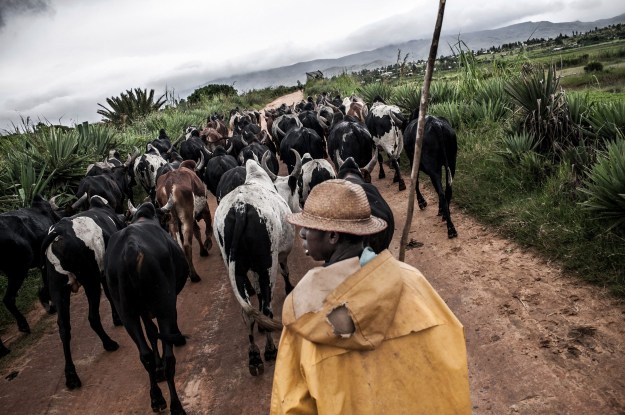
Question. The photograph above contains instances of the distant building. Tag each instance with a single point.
(314, 75)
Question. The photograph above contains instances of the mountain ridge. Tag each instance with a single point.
(417, 48)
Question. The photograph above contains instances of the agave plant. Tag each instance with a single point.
(369, 92)
(407, 97)
(607, 120)
(605, 186)
(543, 110)
(130, 105)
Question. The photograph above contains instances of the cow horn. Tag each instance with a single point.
(52, 202)
(263, 163)
(169, 205)
(322, 121)
(297, 170)
(80, 201)
(282, 133)
(131, 208)
(339, 160)
(200, 163)
(331, 105)
(243, 141)
(131, 158)
(395, 119)
(230, 148)
(369, 167)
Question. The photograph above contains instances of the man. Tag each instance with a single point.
(364, 333)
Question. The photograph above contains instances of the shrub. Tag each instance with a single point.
(593, 67)
(369, 92)
(605, 186)
(130, 106)
(407, 97)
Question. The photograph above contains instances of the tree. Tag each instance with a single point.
(130, 105)
(208, 91)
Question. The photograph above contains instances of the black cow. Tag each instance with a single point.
(350, 171)
(350, 138)
(21, 234)
(255, 151)
(386, 124)
(216, 167)
(303, 140)
(102, 185)
(145, 270)
(439, 149)
(163, 142)
(229, 181)
(281, 126)
(74, 254)
(253, 235)
(194, 148)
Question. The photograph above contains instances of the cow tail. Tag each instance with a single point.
(49, 238)
(450, 159)
(262, 320)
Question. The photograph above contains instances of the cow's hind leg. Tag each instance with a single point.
(397, 177)
(255, 363)
(133, 327)
(382, 174)
(443, 206)
(152, 332)
(170, 331)
(3, 349)
(60, 293)
(284, 270)
(114, 314)
(93, 298)
(44, 293)
(198, 235)
(14, 283)
(420, 199)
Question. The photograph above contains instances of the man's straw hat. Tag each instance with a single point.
(338, 205)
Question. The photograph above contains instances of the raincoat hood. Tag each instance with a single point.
(372, 296)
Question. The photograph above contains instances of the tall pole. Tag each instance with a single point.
(423, 107)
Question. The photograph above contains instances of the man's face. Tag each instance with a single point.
(317, 244)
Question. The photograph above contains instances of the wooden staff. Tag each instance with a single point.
(423, 107)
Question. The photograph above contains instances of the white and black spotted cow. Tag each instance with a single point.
(253, 235)
(386, 124)
(314, 171)
(74, 253)
(286, 185)
(145, 169)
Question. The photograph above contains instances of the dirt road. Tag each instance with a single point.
(538, 341)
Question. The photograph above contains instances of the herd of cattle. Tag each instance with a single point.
(141, 256)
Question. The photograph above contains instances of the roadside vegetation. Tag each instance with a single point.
(541, 142)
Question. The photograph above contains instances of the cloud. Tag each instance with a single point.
(8, 8)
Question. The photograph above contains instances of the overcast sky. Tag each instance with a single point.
(60, 58)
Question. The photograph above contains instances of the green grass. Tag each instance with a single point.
(24, 300)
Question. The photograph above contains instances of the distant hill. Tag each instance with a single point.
(418, 50)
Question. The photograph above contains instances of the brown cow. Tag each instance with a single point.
(184, 195)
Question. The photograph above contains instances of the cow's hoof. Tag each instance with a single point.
(158, 404)
(177, 409)
(382, 175)
(257, 369)
(451, 233)
(72, 381)
(203, 252)
(208, 244)
(51, 309)
(23, 327)
(402, 185)
(117, 322)
(195, 278)
(4, 351)
(110, 345)
(270, 354)
(423, 205)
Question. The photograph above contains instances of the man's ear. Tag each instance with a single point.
(333, 237)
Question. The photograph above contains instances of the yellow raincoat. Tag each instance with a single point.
(406, 355)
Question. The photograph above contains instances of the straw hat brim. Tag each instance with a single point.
(362, 227)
